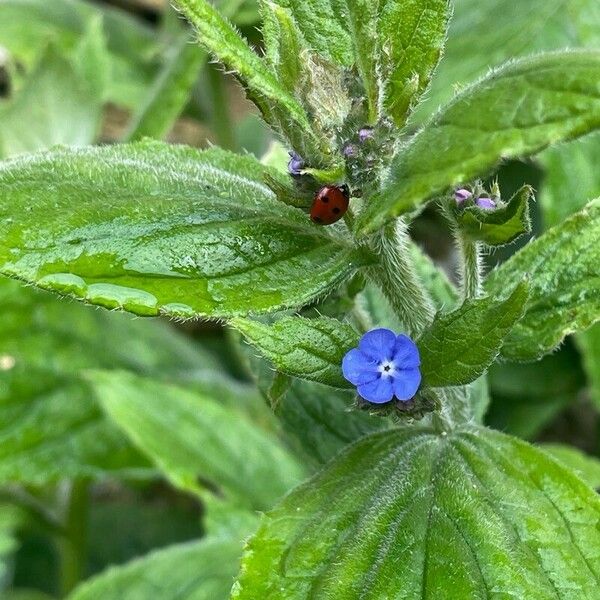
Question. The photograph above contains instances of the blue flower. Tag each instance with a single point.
(383, 366)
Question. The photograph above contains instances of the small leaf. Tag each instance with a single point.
(515, 111)
(459, 346)
(310, 349)
(192, 438)
(409, 514)
(166, 229)
(169, 93)
(218, 36)
(587, 467)
(500, 226)
(564, 290)
(200, 570)
(412, 34)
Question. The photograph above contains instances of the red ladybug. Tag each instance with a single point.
(330, 204)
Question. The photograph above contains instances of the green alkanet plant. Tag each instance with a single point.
(424, 502)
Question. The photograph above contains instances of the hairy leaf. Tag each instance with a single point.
(564, 287)
(412, 34)
(218, 36)
(320, 422)
(407, 513)
(200, 570)
(152, 228)
(515, 111)
(192, 439)
(459, 346)
(310, 349)
(500, 226)
(587, 467)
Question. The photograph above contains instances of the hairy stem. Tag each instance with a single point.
(397, 279)
(471, 267)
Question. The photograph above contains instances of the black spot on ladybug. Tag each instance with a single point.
(330, 204)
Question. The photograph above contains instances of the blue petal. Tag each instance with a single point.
(406, 383)
(378, 391)
(358, 368)
(378, 344)
(406, 353)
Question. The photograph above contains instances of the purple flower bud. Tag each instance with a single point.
(296, 164)
(366, 133)
(384, 366)
(350, 150)
(485, 203)
(461, 195)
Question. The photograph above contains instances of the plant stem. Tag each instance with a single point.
(221, 123)
(22, 498)
(397, 279)
(73, 547)
(471, 267)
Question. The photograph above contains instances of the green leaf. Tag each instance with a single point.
(515, 111)
(564, 295)
(310, 349)
(320, 422)
(200, 570)
(459, 346)
(218, 36)
(169, 93)
(500, 226)
(443, 293)
(587, 467)
(165, 229)
(410, 514)
(192, 438)
(529, 396)
(55, 106)
(484, 34)
(28, 27)
(323, 25)
(11, 519)
(50, 427)
(412, 34)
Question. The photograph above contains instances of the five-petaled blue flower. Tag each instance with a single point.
(383, 366)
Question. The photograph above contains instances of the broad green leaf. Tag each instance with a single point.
(412, 34)
(323, 25)
(310, 349)
(587, 467)
(320, 422)
(410, 514)
(50, 427)
(218, 36)
(515, 111)
(564, 296)
(55, 106)
(166, 229)
(29, 25)
(169, 93)
(486, 34)
(191, 438)
(526, 397)
(459, 346)
(202, 570)
(497, 227)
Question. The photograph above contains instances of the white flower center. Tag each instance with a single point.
(387, 368)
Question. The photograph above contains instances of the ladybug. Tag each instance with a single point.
(330, 204)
